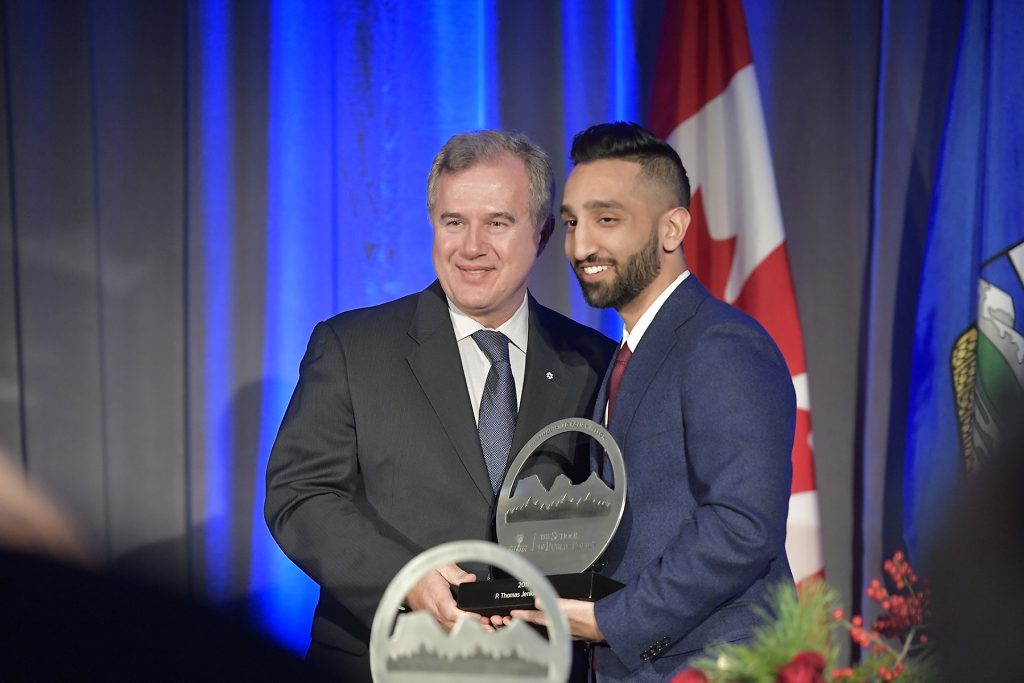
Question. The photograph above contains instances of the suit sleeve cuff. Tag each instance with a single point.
(631, 642)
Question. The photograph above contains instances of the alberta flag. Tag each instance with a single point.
(707, 105)
(968, 371)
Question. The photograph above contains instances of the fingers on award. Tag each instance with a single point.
(562, 530)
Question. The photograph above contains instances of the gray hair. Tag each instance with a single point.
(466, 150)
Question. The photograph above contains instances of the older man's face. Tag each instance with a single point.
(485, 239)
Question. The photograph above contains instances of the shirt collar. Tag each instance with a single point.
(516, 328)
(632, 337)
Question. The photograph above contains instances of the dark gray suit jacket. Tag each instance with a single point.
(378, 456)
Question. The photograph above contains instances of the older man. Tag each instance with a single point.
(400, 428)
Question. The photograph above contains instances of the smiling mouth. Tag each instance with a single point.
(593, 268)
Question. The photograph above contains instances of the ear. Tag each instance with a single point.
(545, 234)
(673, 228)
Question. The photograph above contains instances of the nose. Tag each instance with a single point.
(579, 243)
(474, 242)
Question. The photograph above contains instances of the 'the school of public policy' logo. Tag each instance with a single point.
(987, 360)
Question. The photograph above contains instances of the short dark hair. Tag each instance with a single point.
(466, 150)
(632, 142)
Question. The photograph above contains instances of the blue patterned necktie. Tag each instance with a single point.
(498, 409)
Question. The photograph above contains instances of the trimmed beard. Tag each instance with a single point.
(641, 269)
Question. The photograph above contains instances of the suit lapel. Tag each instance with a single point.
(602, 392)
(547, 382)
(438, 368)
(597, 458)
(655, 345)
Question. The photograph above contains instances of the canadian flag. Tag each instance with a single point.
(706, 104)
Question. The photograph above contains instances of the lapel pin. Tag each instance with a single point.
(550, 375)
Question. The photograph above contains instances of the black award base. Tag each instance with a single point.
(501, 596)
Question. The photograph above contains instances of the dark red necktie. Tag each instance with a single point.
(616, 378)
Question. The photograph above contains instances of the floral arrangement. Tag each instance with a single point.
(796, 643)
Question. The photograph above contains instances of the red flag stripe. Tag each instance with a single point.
(698, 54)
(768, 296)
(707, 105)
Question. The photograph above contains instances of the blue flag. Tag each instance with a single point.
(967, 379)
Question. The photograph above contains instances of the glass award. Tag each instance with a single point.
(561, 530)
(410, 647)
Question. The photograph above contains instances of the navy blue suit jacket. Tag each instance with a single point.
(705, 416)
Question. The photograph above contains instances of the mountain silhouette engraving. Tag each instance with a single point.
(418, 644)
(533, 503)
